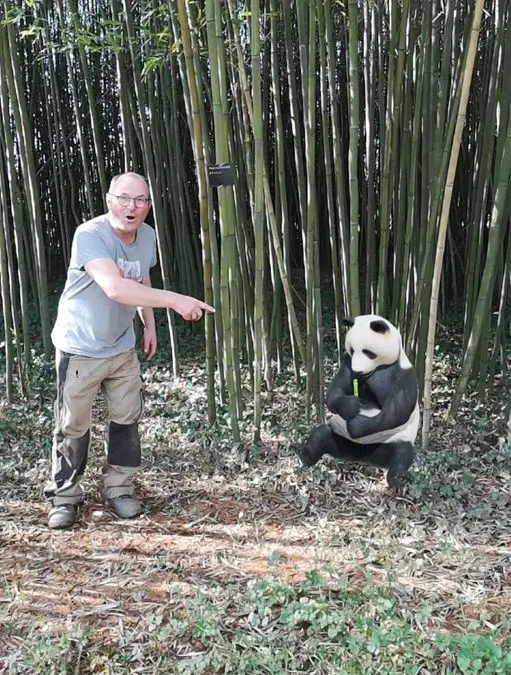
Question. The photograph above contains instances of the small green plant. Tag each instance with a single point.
(478, 654)
(48, 655)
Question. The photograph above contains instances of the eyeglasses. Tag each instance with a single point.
(123, 200)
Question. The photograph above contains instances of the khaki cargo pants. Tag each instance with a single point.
(79, 379)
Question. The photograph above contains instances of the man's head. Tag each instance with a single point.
(128, 203)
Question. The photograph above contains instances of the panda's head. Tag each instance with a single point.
(372, 341)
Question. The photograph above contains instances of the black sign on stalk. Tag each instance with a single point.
(220, 175)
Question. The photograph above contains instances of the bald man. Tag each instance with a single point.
(107, 283)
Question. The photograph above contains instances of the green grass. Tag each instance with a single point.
(268, 627)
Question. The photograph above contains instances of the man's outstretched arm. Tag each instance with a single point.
(129, 292)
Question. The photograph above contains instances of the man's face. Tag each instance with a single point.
(127, 218)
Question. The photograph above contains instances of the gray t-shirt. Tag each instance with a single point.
(88, 322)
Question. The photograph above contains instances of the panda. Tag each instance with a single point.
(372, 401)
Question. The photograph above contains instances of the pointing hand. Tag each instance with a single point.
(192, 309)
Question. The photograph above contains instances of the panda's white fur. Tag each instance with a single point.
(405, 432)
(387, 346)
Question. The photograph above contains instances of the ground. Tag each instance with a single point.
(246, 563)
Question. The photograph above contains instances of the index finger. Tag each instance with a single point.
(206, 307)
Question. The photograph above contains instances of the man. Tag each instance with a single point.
(107, 280)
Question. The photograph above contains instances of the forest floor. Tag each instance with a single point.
(246, 563)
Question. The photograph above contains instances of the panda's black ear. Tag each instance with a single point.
(379, 326)
(348, 321)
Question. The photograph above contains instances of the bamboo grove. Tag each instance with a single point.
(371, 148)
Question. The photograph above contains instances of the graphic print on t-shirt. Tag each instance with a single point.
(130, 269)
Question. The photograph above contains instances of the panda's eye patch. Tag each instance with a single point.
(369, 353)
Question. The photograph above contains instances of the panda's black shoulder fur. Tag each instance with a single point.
(382, 383)
(386, 381)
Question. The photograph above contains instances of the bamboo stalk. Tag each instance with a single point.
(203, 210)
(354, 102)
(466, 77)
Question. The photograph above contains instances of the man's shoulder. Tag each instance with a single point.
(147, 232)
(97, 224)
(146, 237)
(92, 239)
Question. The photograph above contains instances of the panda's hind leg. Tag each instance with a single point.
(396, 457)
(401, 459)
(320, 442)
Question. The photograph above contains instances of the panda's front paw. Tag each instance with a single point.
(348, 407)
(357, 427)
(303, 453)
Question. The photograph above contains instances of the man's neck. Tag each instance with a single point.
(126, 237)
